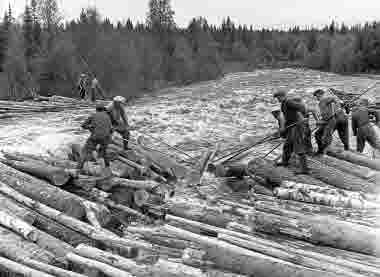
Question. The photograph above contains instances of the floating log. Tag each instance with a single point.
(42, 191)
(98, 234)
(259, 245)
(53, 270)
(276, 175)
(243, 261)
(31, 233)
(351, 168)
(355, 158)
(13, 267)
(13, 208)
(15, 247)
(102, 267)
(334, 198)
(144, 171)
(202, 213)
(319, 229)
(55, 175)
(338, 178)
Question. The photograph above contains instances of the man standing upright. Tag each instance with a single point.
(294, 130)
(332, 118)
(116, 110)
(95, 87)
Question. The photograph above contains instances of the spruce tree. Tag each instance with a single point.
(160, 15)
(28, 33)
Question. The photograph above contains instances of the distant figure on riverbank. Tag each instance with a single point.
(96, 88)
(82, 86)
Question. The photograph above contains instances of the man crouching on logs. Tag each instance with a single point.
(100, 126)
(294, 130)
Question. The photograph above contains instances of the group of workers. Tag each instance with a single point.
(102, 124)
(87, 89)
(293, 119)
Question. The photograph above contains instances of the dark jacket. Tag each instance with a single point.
(361, 116)
(99, 124)
(292, 109)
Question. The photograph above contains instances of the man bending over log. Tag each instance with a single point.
(363, 128)
(100, 126)
(116, 110)
(333, 118)
(294, 130)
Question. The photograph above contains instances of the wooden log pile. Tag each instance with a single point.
(56, 221)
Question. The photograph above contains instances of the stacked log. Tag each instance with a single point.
(355, 158)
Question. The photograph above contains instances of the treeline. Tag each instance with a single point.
(42, 53)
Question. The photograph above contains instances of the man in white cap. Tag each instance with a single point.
(116, 110)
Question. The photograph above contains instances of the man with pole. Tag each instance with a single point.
(116, 110)
(333, 118)
(294, 130)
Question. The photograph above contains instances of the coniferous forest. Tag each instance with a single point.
(43, 52)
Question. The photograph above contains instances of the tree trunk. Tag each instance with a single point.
(42, 191)
(55, 175)
(104, 268)
(355, 158)
(348, 167)
(338, 178)
(319, 229)
(98, 234)
(305, 193)
(276, 175)
(53, 270)
(243, 261)
(15, 247)
(16, 268)
(201, 213)
(289, 255)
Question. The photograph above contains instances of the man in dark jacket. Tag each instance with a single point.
(294, 130)
(100, 126)
(332, 118)
(362, 127)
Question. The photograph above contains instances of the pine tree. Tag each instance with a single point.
(4, 35)
(160, 15)
(28, 33)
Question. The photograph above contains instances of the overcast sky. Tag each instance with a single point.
(259, 13)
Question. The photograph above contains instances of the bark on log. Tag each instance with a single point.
(206, 214)
(53, 270)
(243, 261)
(27, 157)
(13, 208)
(319, 229)
(338, 178)
(15, 247)
(16, 268)
(289, 255)
(19, 226)
(102, 267)
(55, 175)
(148, 185)
(101, 235)
(334, 198)
(144, 171)
(275, 175)
(355, 158)
(31, 233)
(42, 191)
(351, 168)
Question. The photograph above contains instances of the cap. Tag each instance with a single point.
(318, 92)
(120, 99)
(279, 93)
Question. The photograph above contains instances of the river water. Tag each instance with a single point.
(192, 118)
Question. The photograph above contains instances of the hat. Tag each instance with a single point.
(83, 75)
(120, 99)
(279, 93)
(318, 92)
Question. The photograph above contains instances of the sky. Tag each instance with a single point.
(259, 13)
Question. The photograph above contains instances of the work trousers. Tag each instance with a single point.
(91, 145)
